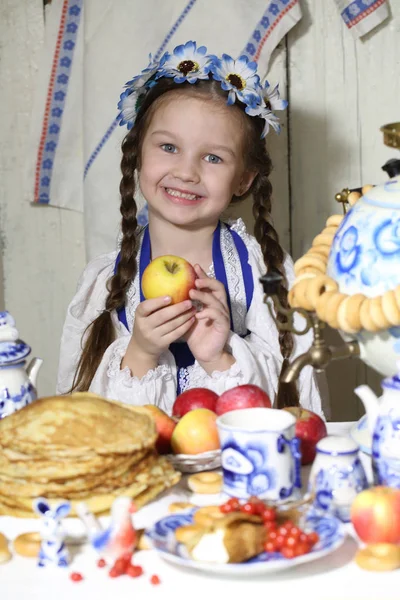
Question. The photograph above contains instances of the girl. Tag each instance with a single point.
(195, 145)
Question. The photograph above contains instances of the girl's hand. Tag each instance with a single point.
(209, 334)
(158, 325)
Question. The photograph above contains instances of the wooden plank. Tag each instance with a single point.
(43, 247)
(341, 92)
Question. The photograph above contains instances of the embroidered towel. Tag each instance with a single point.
(91, 49)
(362, 16)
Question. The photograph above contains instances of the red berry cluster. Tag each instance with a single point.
(124, 566)
(287, 538)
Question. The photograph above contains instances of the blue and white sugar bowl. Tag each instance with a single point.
(17, 384)
(336, 476)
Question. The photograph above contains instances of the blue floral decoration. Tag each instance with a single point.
(190, 63)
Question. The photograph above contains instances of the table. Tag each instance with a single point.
(330, 578)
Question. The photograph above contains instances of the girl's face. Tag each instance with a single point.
(192, 161)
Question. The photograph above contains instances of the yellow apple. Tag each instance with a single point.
(168, 276)
(196, 432)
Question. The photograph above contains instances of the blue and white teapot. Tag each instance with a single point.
(383, 417)
(17, 384)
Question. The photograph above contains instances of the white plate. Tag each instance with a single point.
(194, 463)
(361, 435)
(162, 539)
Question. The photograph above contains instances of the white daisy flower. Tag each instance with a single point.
(238, 77)
(134, 91)
(186, 63)
(261, 110)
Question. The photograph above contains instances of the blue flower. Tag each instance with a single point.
(44, 197)
(50, 146)
(62, 78)
(60, 95)
(250, 48)
(45, 181)
(274, 9)
(186, 63)
(270, 101)
(265, 22)
(69, 45)
(47, 164)
(54, 128)
(134, 91)
(56, 112)
(238, 77)
(272, 97)
(72, 27)
(257, 35)
(65, 62)
(74, 10)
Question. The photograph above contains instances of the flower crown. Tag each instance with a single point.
(189, 63)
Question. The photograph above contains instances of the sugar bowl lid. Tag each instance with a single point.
(12, 349)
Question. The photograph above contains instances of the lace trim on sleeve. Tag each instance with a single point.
(197, 374)
(124, 376)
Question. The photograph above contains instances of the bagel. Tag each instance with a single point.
(322, 304)
(334, 220)
(365, 316)
(332, 309)
(318, 286)
(27, 544)
(379, 557)
(5, 554)
(390, 308)
(377, 314)
(207, 482)
(309, 261)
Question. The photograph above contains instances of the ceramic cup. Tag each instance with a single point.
(259, 453)
(336, 476)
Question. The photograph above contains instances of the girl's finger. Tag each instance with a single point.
(167, 313)
(209, 299)
(213, 314)
(174, 324)
(179, 332)
(200, 272)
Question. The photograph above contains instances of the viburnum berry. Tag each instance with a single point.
(226, 508)
(248, 508)
(234, 503)
(101, 563)
(155, 580)
(268, 514)
(76, 577)
(134, 570)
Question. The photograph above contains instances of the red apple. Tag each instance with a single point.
(194, 398)
(196, 432)
(168, 276)
(242, 396)
(375, 514)
(164, 426)
(310, 428)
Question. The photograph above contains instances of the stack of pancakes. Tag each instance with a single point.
(80, 448)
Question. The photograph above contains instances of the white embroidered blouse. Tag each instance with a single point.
(258, 356)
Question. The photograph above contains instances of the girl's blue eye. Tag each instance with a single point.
(169, 148)
(213, 159)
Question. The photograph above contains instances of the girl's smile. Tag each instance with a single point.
(182, 197)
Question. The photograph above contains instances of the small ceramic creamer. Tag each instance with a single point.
(383, 417)
(260, 454)
(337, 476)
(17, 384)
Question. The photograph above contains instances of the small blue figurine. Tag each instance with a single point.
(52, 547)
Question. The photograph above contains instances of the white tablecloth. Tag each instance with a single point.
(330, 578)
